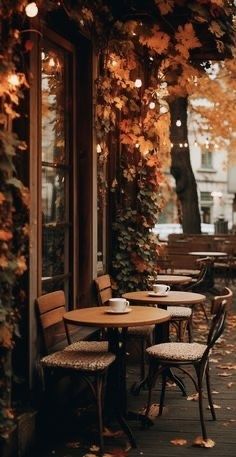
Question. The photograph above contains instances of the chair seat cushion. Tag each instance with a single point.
(79, 360)
(177, 351)
(179, 311)
(88, 346)
(142, 330)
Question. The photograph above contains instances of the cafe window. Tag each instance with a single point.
(56, 166)
(206, 161)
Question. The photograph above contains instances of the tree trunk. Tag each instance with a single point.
(181, 169)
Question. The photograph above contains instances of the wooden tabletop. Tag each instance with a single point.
(173, 298)
(98, 317)
(208, 253)
(172, 279)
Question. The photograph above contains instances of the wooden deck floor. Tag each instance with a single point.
(180, 419)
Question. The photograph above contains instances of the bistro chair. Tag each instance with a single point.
(144, 334)
(181, 355)
(89, 360)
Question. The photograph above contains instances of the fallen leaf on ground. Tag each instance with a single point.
(215, 392)
(179, 441)
(110, 433)
(94, 448)
(224, 374)
(193, 397)
(215, 406)
(230, 384)
(199, 441)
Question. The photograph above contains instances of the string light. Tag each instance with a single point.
(99, 149)
(138, 83)
(178, 123)
(31, 10)
(137, 145)
(152, 105)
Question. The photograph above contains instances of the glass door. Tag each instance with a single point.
(56, 166)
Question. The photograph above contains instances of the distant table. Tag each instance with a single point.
(171, 280)
(117, 325)
(210, 275)
(208, 253)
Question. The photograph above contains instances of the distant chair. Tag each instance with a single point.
(181, 355)
(89, 360)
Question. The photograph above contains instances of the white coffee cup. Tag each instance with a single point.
(118, 304)
(161, 289)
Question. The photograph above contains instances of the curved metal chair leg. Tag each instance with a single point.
(200, 403)
(163, 391)
(209, 393)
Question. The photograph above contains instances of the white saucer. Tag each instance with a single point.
(156, 294)
(112, 311)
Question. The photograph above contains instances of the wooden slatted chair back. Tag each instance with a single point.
(103, 288)
(226, 295)
(50, 309)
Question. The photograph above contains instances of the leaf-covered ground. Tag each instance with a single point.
(178, 431)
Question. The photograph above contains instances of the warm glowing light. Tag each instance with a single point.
(185, 144)
(43, 55)
(51, 62)
(99, 149)
(151, 58)
(137, 145)
(178, 123)
(181, 145)
(138, 83)
(195, 143)
(152, 105)
(133, 33)
(114, 63)
(171, 145)
(31, 10)
(13, 79)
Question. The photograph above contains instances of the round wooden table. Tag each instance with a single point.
(173, 298)
(117, 325)
(172, 280)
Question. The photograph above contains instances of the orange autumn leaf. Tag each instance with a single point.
(5, 235)
(158, 41)
(200, 442)
(165, 6)
(186, 39)
(179, 441)
(152, 161)
(6, 336)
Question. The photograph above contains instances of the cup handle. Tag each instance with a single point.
(168, 288)
(127, 303)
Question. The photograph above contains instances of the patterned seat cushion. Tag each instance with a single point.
(177, 351)
(142, 330)
(88, 346)
(79, 360)
(179, 311)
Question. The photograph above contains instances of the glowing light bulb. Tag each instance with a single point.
(195, 143)
(185, 144)
(152, 105)
(99, 149)
(31, 10)
(171, 145)
(151, 58)
(180, 145)
(13, 79)
(114, 63)
(138, 83)
(43, 55)
(137, 145)
(178, 123)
